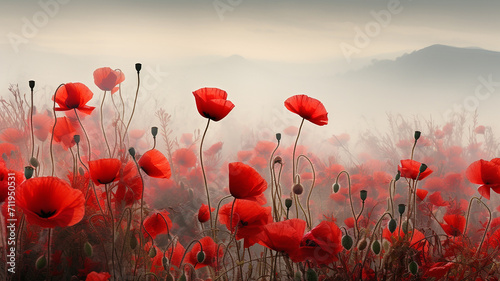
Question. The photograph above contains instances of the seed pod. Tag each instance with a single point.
(138, 67)
(164, 261)
(200, 257)
(152, 252)
(288, 203)
(31, 83)
(154, 131)
(297, 276)
(28, 172)
(311, 275)
(392, 225)
(336, 187)
(278, 136)
(298, 189)
(413, 267)
(423, 167)
(405, 226)
(362, 244)
(76, 138)
(169, 277)
(41, 262)
(88, 249)
(34, 162)
(81, 171)
(347, 242)
(133, 242)
(182, 278)
(363, 194)
(398, 176)
(417, 135)
(131, 151)
(401, 208)
(376, 247)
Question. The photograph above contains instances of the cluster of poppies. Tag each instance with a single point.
(129, 209)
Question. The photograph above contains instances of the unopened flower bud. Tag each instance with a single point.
(28, 172)
(347, 242)
(413, 267)
(362, 244)
(398, 176)
(423, 167)
(152, 252)
(131, 151)
(298, 189)
(392, 225)
(138, 67)
(336, 187)
(401, 208)
(34, 162)
(31, 83)
(41, 262)
(278, 136)
(88, 249)
(200, 257)
(311, 275)
(376, 247)
(76, 138)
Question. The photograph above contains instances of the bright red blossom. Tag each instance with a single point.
(283, 236)
(155, 164)
(204, 214)
(320, 245)
(50, 202)
(455, 224)
(485, 173)
(210, 249)
(74, 96)
(104, 171)
(106, 78)
(157, 223)
(410, 169)
(212, 103)
(308, 108)
(245, 182)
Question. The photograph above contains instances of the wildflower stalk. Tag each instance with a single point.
(102, 124)
(487, 226)
(205, 178)
(356, 231)
(86, 135)
(293, 166)
(32, 85)
(271, 170)
(138, 68)
(112, 227)
(53, 129)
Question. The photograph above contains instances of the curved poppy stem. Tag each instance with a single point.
(48, 254)
(350, 199)
(85, 132)
(53, 129)
(102, 124)
(31, 126)
(205, 178)
(186, 251)
(112, 228)
(294, 148)
(135, 103)
(271, 170)
(487, 226)
(310, 190)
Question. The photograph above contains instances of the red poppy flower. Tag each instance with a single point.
(184, 157)
(13, 135)
(320, 245)
(64, 132)
(210, 249)
(212, 103)
(6, 177)
(50, 202)
(437, 200)
(245, 182)
(249, 218)
(174, 254)
(422, 193)
(94, 276)
(106, 78)
(204, 214)
(214, 149)
(155, 164)
(455, 224)
(42, 125)
(74, 96)
(410, 168)
(486, 173)
(129, 185)
(308, 108)
(104, 171)
(283, 236)
(155, 224)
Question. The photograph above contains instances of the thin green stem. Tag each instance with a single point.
(135, 103)
(102, 125)
(86, 135)
(205, 178)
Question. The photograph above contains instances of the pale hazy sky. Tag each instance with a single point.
(266, 30)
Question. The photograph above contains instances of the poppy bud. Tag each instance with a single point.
(362, 244)
(28, 172)
(138, 67)
(417, 135)
(398, 176)
(76, 138)
(363, 194)
(41, 262)
(311, 275)
(336, 187)
(298, 189)
(288, 203)
(88, 249)
(413, 267)
(154, 131)
(131, 151)
(81, 171)
(278, 160)
(405, 226)
(423, 167)
(392, 225)
(200, 257)
(31, 83)
(376, 247)
(133, 242)
(297, 276)
(182, 278)
(34, 162)
(347, 242)
(164, 261)
(401, 208)
(152, 252)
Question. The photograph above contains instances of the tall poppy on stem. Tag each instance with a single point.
(454, 224)
(157, 223)
(410, 169)
(104, 171)
(106, 78)
(283, 236)
(74, 96)
(212, 104)
(485, 173)
(50, 202)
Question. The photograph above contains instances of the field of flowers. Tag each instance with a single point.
(85, 196)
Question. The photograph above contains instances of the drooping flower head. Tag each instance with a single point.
(104, 171)
(155, 164)
(283, 236)
(410, 169)
(308, 108)
(212, 252)
(212, 103)
(485, 173)
(50, 202)
(157, 223)
(245, 182)
(74, 96)
(106, 78)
